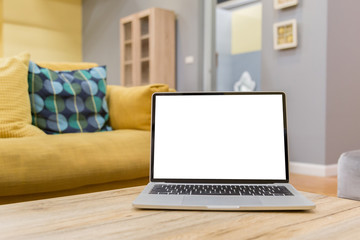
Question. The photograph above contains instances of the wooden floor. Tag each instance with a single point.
(320, 185)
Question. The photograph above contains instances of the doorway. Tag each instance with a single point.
(238, 45)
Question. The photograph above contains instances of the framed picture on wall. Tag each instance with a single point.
(285, 34)
(279, 4)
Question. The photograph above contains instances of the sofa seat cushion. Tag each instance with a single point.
(58, 162)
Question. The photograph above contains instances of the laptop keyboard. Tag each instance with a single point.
(247, 190)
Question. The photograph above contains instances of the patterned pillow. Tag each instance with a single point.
(68, 101)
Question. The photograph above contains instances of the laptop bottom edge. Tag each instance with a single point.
(223, 202)
(225, 208)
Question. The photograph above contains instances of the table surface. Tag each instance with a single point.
(110, 215)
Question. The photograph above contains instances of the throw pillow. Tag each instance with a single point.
(130, 107)
(68, 101)
(15, 114)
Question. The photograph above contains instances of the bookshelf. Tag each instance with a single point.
(147, 48)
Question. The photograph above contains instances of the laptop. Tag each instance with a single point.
(220, 151)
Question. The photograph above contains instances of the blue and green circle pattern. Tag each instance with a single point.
(68, 101)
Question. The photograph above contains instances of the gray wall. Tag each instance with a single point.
(301, 74)
(101, 35)
(343, 79)
(321, 77)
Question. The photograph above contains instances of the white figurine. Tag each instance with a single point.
(245, 83)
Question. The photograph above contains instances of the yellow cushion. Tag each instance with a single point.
(64, 66)
(130, 107)
(15, 113)
(67, 161)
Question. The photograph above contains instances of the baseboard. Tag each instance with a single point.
(313, 169)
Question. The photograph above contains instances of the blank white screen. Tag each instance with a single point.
(219, 137)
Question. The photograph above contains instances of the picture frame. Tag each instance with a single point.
(285, 34)
(280, 4)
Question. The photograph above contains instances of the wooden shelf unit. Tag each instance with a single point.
(147, 48)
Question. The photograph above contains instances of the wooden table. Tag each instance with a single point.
(109, 215)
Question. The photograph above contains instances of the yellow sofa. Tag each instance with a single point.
(40, 166)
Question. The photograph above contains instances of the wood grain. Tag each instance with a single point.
(109, 215)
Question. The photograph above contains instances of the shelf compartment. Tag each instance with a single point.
(128, 52)
(147, 36)
(128, 31)
(145, 48)
(145, 72)
(128, 75)
(144, 25)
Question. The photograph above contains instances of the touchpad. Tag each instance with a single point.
(221, 201)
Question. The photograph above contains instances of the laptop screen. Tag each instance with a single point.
(219, 137)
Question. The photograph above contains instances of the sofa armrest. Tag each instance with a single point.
(130, 107)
